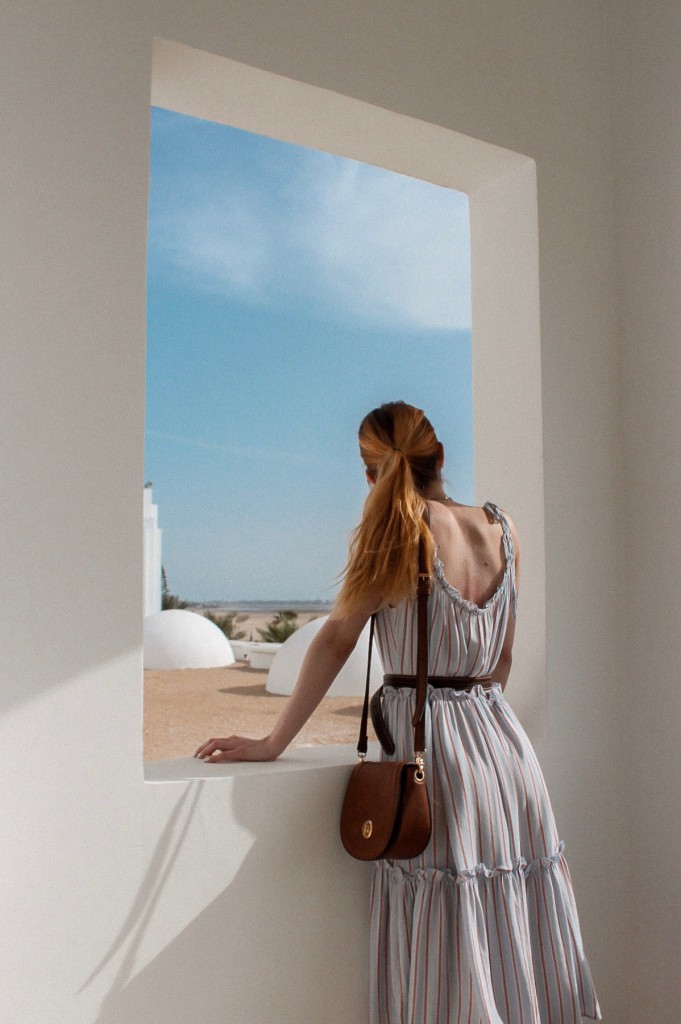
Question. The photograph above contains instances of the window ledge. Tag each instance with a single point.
(297, 759)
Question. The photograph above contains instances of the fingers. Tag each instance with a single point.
(226, 755)
(224, 743)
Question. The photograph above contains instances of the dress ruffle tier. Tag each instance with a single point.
(487, 945)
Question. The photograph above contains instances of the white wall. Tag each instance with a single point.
(647, 88)
(124, 902)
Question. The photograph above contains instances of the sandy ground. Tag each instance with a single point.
(185, 707)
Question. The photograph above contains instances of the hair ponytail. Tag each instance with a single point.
(401, 452)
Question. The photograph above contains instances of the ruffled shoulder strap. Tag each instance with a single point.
(498, 516)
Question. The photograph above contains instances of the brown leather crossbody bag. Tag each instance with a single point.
(386, 810)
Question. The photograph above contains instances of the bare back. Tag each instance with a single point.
(472, 603)
(470, 547)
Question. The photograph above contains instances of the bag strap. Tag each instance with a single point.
(423, 591)
(418, 719)
(363, 742)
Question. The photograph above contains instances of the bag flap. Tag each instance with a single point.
(371, 802)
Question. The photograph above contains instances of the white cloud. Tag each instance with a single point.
(375, 247)
(394, 248)
(220, 241)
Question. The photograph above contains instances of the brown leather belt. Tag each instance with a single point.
(378, 721)
(439, 682)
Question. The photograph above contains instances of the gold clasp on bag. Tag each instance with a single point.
(420, 773)
(367, 829)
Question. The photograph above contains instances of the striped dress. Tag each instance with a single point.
(482, 928)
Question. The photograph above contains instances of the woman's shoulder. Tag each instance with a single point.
(479, 515)
(474, 520)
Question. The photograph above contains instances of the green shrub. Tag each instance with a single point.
(227, 624)
(279, 628)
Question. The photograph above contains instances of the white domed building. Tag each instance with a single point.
(349, 682)
(182, 639)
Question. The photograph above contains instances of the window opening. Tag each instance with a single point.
(289, 292)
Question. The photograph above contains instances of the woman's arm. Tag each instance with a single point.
(325, 657)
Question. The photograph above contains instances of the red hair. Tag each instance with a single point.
(402, 454)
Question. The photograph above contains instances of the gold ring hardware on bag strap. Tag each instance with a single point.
(420, 773)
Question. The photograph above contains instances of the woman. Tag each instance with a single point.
(482, 927)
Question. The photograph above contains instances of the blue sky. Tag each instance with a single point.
(289, 292)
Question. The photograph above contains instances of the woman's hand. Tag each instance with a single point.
(237, 748)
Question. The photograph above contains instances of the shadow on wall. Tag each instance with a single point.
(131, 934)
(269, 948)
